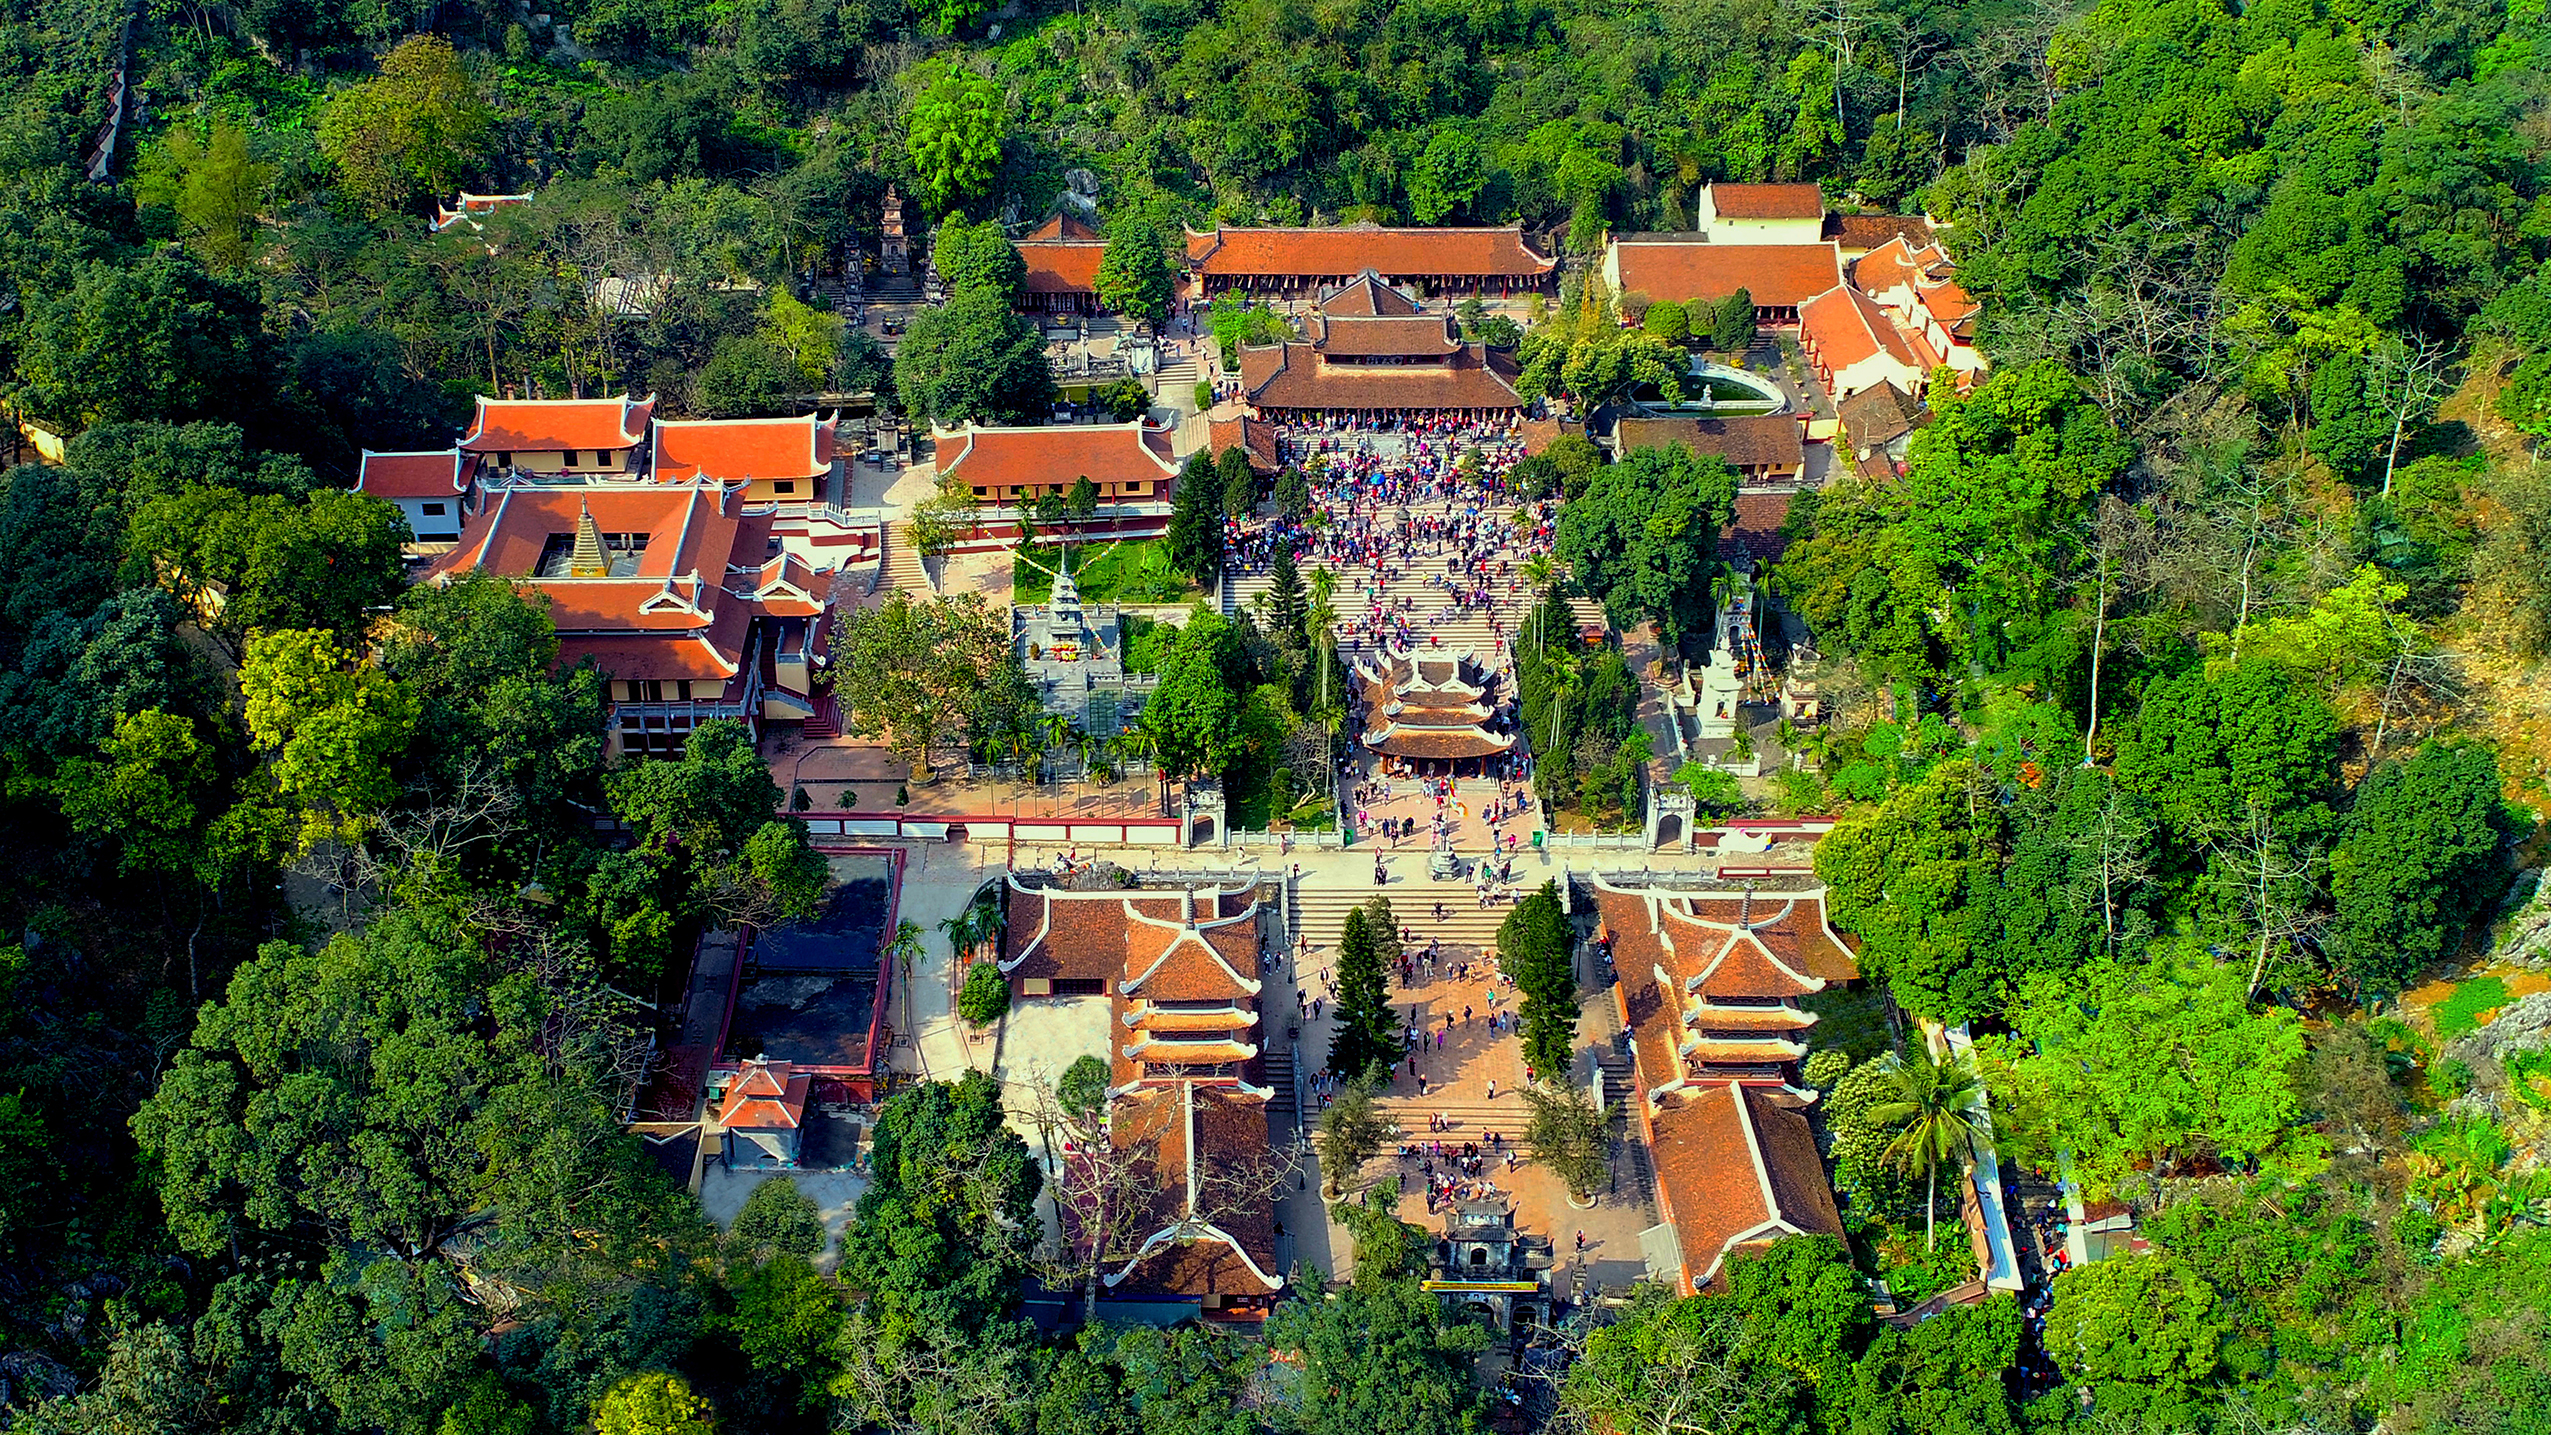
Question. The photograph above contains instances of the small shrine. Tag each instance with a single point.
(1487, 1267)
(894, 253)
(1075, 655)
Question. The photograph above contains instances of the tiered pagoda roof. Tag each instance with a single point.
(1433, 708)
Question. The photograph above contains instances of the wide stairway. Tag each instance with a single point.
(902, 568)
(1413, 898)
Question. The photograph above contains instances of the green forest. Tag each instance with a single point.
(2190, 685)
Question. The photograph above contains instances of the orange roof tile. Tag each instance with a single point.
(1353, 248)
(993, 458)
(735, 450)
(1367, 296)
(558, 425)
(1744, 440)
(766, 1096)
(1861, 233)
(1849, 326)
(1256, 438)
(1061, 265)
(1422, 335)
(1060, 226)
(1767, 201)
(1777, 276)
(441, 473)
(1738, 1167)
(1296, 376)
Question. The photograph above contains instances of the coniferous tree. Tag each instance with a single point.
(1195, 520)
(1287, 604)
(1533, 950)
(1363, 1040)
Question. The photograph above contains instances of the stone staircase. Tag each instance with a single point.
(1322, 910)
(1284, 1114)
(902, 568)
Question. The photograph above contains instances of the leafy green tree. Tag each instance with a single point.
(266, 561)
(925, 675)
(1732, 324)
(652, 1404)
(2135, 1067)
(212, 187)
(778, 1220)
(1913, 878)
(985, 997)
(1945, 1376)
(2416, 862)
(747, 378)
(418, 129)
(1195, 520)
(1366, 1036)
(1194, 716)
(1805, 1309)
(156, 339)
(1239, 482)
(954, 138)
(1134, 277)
(948, 1221)
(1450, 173)
(1565, 1133)
(1352, 1131)
(481, 657)
(978, 256)
(1643, 538)
(1670, 1366)
(1125, 400)
(1377, 1357)
(331, 726)
(2206, 748)
(1536, 951)
(974, 360)
(2152, 1325)
(1934, 1104)
(1668, 320)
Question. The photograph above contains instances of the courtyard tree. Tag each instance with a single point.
(1374, 1357)
(1365, 1041)
(1732, 325)
(1536, 951)
(985, 997)
(1194, 716)
(927, 674)
(1934, 1104)
(1643, 539)
(974, 360)
(1134, 277)
(1195, 520)
(1565, 1133)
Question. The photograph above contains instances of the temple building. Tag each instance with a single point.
(1918, 288)
(1766, 450)
(433, 489)
(1178, 971)
(681, 598)
(471, 210)
(1373, 352)
(773, 460)
(1302, 263)
(1761, 213)
(1694, 269)
(1062, 257)
(1851, 343)
(1710, 990)
(1130, 462)
(575, 439)
(1435, 713)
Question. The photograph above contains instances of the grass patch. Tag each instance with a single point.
(1128, 572)
(2461, 1012)
(1852, 1019)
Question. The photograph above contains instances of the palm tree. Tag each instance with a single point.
(1055, 732)
(906, 949)
(1936, 1105)
(1537, 570)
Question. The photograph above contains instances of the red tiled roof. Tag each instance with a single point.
(734, 450)
(1295, 376)
(1754, 528)
(674, 616)
(1366, 295)
(1061, 226)
(1777, 276)
(1426, 335)
(1442, 744)
(1256, 438)
(1062, 257)
(1849, 326)
(767, 1096)
(1892, 265)
(558, 425)
(438, 474)
(1738, 1167)
(1860, 233)
(1021, 457)
(1879, 415)
(1217, 1247)
(1767, 201)
(1744, 440)
(1353, 248)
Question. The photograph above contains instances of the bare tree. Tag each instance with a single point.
(2118, 847)
(1683, 1377)
(2276, 885)
(2407, 377)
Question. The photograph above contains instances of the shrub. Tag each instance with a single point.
(1204, 395)
(985, 998)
